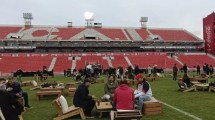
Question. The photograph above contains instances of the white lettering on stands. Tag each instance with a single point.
(208, 37)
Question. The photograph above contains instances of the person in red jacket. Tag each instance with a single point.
(123, 97)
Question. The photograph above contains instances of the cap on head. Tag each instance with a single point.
(138, 76)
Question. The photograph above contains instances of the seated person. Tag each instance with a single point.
(15, 89)
(186, 80)
(143, 91)
(110, 87)
(181, 84)
(123, 97)
(83, 99)
(78, 77)
(9, 106)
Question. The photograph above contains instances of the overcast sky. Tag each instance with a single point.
(187, 14)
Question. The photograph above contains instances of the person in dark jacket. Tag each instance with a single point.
(83, 99)
(186, 80)
(211, 69)
(10, 107)
(19, 73)
(175, 71)
(185, 68)
(16, 91)
(198, 70)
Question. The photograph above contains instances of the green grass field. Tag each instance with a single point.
(200, 104)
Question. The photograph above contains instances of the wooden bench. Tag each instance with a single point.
(53, 89)
(70, 85)
(152, 107)
(199, 79)
(72, 110)
(125, 115)
(211, 88)
(1, 115)
(26, 83)
(102, 107)
(39, 94)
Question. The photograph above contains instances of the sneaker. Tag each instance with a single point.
(28, 107)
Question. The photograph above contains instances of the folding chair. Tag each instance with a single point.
(71, 111)
(183, 87)
(211, 88)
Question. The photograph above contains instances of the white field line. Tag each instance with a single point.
(181, 111)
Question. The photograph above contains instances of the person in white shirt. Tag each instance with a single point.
(149, 70)
(143, 91)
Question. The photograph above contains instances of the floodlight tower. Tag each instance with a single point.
(27, 17)
(143, 21)
(89, 19)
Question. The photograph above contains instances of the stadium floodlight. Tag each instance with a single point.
(143, 21)
(27, 17)
(88, 15)
(89, 18)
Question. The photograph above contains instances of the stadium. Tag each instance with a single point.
(68, 50)
(112, 47)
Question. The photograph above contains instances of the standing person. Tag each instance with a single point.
(175, 71)
(16, 91)
(207, 69)
(155, 71)
(198, 70)
(149, 69)
(83, 99)
(143, 91)
(136, 70)
(110, 87)
(211, 70)
(123, 97)
(121, 71)
(19, 73)
(10, 107)
(185, 68)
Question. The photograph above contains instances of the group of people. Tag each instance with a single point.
(206, 69)
(120, 95)
(12, 98)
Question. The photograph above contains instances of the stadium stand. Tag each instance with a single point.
(119, 60)
(66, 33)
(174, 35)
(109, 46)
(33, 62)
(194, 60)
(5, 30)
(62, 63)
(145, 59)
(114, 34)
(93, 59)
(26, 63)
(143, 33)
(133, 34)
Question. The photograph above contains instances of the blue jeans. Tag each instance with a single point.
(142, 98)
